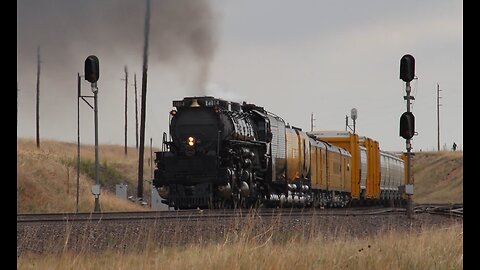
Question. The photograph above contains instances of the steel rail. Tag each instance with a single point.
(441, 209)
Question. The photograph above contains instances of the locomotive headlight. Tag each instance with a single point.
(191, 141)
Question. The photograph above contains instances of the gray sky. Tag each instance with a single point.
(292, 57)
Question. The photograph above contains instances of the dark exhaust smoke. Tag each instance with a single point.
(182, 36)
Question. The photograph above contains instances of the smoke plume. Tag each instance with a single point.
(182, 35)
(182, 44)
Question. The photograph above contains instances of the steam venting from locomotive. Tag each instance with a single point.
(215, 90)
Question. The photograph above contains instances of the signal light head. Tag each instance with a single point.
(407, 68)
(191, 141)
(407, 125)
(92, 70)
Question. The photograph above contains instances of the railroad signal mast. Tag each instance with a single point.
(92, 73)
(407, 123)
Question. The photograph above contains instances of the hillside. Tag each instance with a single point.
(46, 177)
(438, 177)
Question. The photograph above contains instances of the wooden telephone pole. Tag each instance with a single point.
(141, 151)
(438, 116)
(126, 95)
(136, 110)
(38, 98)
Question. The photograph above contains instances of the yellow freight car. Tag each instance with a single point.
(375, 175)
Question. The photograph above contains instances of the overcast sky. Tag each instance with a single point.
(294, 58)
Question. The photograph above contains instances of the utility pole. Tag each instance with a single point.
(312, 122)
(438, 117)
(18, 90)
(126, 95)
(144, 103)
(136, 110)
(38, 97)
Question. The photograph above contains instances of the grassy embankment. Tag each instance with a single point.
(438, 177)
(46, 177)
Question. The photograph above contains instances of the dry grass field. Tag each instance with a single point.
(439, 247)
(46, 177)
(438, 177)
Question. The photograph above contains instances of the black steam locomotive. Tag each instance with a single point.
(217, 156)
(225, 154)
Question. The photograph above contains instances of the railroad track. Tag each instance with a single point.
(439, 209)
(454, 210)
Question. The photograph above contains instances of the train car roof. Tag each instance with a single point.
(391, 154)
(335, 134)
(330, 133)
(328, 146)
